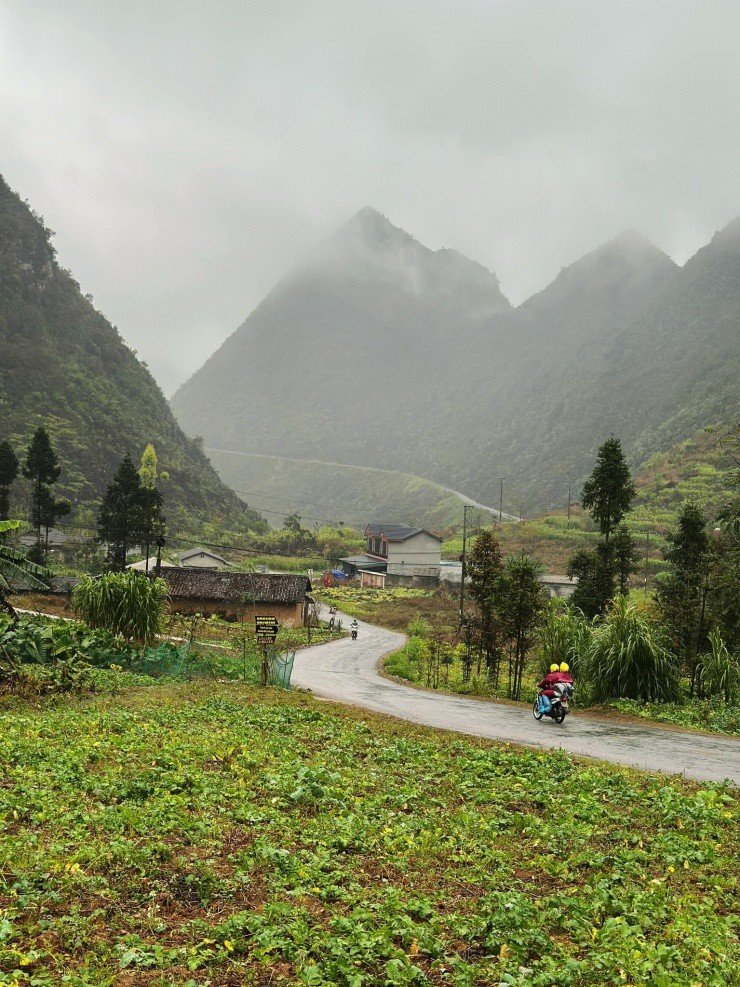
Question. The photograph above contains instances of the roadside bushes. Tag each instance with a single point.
(629, 658)
(565, 635)
(719, 671)
(125, 603)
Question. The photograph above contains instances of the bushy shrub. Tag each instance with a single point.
(125, 603)
(565, 635)
(629, 657)
(719, 671)
(419, 628)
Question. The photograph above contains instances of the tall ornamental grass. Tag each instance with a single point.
(719, 671)
(629, 658)
(565, 635)
(128, 604)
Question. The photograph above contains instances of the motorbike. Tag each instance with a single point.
(354, 633)
(559, 708)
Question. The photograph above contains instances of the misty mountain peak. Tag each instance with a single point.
(625, 269)
(368, 249)
(728, 236)
(372, 229)
(635, 247)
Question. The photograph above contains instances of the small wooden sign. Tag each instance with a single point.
(265, 629)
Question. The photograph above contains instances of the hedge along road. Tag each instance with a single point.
(347, 671)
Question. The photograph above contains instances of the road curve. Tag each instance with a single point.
(367, 469)
(347, 671)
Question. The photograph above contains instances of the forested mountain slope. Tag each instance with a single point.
(345, 359)
(64, 366)
(381, 352)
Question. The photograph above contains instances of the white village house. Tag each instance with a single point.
(201, 558)
(396, 555)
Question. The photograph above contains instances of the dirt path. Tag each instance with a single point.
(347, 671)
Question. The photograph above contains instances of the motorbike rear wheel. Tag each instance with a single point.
(559, 717)
(536, 711)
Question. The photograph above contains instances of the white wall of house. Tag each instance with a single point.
(203, 560)
(420, 550)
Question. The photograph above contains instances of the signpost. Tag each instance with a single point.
(265, 632)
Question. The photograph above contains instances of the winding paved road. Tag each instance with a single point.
(346, 671)
(367, 469)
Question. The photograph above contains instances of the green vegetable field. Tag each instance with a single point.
(213, 834)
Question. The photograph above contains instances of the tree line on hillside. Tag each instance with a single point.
(42, 468)
(130, 513)
(689, 630)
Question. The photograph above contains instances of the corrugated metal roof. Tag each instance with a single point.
(366, 561)
(235, 587)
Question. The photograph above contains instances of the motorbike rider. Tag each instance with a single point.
(564, 672)
(546, 687)
(354, 627)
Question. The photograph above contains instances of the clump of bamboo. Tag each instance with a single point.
(128, 604)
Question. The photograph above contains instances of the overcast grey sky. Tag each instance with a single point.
(188, 154)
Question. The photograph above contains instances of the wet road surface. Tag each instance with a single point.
(346, 671)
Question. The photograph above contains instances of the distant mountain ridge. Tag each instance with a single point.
(64, 366)
(381, 352)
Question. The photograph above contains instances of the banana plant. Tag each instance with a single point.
(16, 569)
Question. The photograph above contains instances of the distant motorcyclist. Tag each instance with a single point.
(354, 628)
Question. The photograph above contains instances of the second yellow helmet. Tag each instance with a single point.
(564, 666)
(554, 668)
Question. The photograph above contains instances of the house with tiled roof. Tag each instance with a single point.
(239, 595)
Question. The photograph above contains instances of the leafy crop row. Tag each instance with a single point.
(203, 835)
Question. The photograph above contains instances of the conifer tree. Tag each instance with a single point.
(609, 491)
(683, 593)
(121, 516)
(9, 468)
(625, 557)
(607, 496)
(42, 468)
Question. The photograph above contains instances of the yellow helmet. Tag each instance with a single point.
(553, 668)
(564, 667)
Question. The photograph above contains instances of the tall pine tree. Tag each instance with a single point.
(121, 518)
(9, 468)
(42, 468)
(607, 496)
(682, 594)
(609, 491)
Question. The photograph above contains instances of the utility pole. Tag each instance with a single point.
(462, 559)
(501, 501)
(158, 565)
(568, 501)
(647, 554)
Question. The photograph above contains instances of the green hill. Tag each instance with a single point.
(695, 469)
(66, 367)
(321, 492)
(379, 352)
